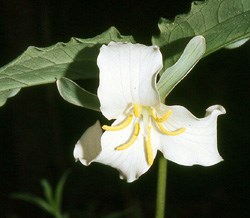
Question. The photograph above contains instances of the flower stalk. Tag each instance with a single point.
(161, 188)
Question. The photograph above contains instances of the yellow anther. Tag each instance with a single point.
(132, 139)
(162, 118)
(148, 148)
(120, 126)
(171, 133)
(137, 110)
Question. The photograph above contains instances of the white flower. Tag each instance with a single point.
(143, 125)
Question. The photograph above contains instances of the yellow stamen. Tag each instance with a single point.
(172, 133)
(137, 110)
(120, 126)
(162, 118)
(131, 140)
(148, 148)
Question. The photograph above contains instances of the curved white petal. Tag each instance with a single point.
(127, 75)
(130, 162)
(198, 144)
(89, 145)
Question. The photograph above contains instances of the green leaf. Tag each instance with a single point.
(34, 200)
(221, 22)
(7, 94)
(75, 60)
(59, 191)
(174, 74)
(76, 95)
(237, 44)
(47, 191)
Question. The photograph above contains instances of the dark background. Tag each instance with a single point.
(38, 129)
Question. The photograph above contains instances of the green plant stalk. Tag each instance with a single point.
(161, 188)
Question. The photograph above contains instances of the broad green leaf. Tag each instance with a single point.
(174, 74)
(76, 95)
(7, 94)
(221, 22)
(237, 44)
(75, 60)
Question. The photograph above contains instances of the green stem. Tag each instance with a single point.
(161, 188)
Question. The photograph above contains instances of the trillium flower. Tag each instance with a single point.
(143, 124)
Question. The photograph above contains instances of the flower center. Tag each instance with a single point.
(143, 115)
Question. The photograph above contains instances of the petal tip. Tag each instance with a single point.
(216, 109)
(200, 37)
(128, 179)
(88, 146)
(213, 162)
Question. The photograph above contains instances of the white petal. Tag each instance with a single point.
(89, 145)
(127, 75)
(130, 162)
(198, 144)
